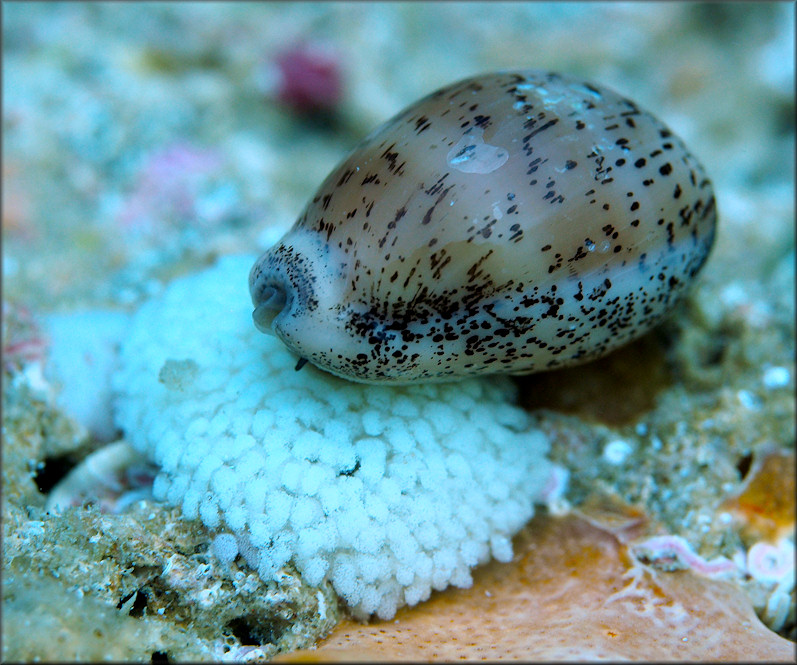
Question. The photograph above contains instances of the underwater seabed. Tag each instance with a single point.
(639, 507)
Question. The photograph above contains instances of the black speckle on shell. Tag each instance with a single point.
(511, 222)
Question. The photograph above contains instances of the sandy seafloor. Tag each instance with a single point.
(98, 97)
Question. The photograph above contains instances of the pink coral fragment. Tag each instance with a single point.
(309, 78)
(674, 553)
(553, 493)
(23, 342)
(771, 563)
(167, 188)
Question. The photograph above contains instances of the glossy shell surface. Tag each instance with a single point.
(511, 222)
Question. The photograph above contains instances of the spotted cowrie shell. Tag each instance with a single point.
(512, 222)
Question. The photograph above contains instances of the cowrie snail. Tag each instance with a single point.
(511, 222)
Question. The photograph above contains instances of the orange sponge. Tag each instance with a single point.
(571, 592)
